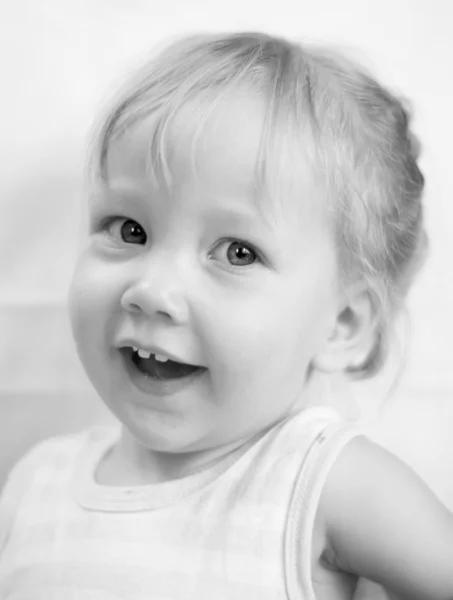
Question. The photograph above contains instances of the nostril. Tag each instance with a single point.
(131, 307)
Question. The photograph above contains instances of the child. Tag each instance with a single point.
(254, 225)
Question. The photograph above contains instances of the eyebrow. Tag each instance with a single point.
(121, 188)
(117, 195)
(237, 217)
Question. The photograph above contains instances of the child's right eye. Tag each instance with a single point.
(126, 230)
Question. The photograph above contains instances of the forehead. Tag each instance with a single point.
(212, 144)
(216, 142)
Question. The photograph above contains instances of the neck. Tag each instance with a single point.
(132, 463)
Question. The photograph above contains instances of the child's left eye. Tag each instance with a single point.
(237, 253)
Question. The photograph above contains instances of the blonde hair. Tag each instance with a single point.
(319, 105)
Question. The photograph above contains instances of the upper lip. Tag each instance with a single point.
(154, 349)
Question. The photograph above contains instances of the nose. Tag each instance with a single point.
(155, 292)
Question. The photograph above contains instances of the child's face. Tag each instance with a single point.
(204, 276)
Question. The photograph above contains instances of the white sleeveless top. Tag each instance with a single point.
(240, 530)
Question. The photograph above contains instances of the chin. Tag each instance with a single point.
(164, 437)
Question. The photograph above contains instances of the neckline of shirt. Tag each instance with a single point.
(94, 496)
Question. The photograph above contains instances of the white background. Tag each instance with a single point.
(58, 61)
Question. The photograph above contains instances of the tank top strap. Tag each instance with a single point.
(315, 468)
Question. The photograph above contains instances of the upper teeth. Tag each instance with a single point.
(145, 354)
(161, 358)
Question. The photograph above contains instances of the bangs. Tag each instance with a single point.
(202, 71)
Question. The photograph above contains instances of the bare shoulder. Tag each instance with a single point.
(379, 520)
(368, 479)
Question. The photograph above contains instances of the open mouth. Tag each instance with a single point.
(159, 367)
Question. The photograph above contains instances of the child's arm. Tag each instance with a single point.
(384, 523)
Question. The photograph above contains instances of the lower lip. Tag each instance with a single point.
(157, 387)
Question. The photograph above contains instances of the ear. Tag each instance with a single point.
(351, 336)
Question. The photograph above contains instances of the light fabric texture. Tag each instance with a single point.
(240, 529)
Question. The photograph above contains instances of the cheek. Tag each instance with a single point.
(279, 329)
(89, 313)
(87, 300)
(249, 334)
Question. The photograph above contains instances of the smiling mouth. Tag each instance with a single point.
(159, 370)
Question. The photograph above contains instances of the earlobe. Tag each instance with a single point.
(351, 336)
